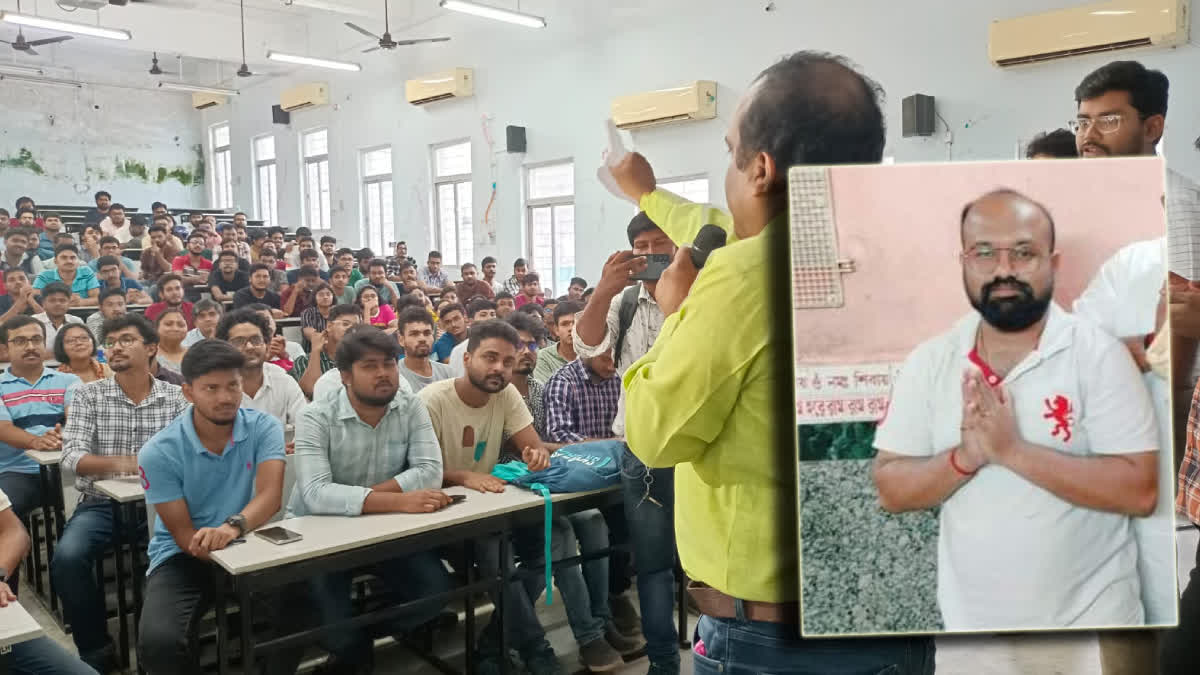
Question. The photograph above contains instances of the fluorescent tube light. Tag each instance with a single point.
(310, 61)
(64, 26)
(180, 86)
(72, 84)
(327, 7)
(489, 12)
(21, 70)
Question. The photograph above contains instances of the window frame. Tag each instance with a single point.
(452, 256)
(549, 278)
(268, 219)
(305, 162)
(665, 182)
(221, 160)
(367, 182)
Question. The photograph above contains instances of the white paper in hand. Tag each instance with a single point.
(612, 156)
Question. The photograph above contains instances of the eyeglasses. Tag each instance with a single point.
(77, 340)
(23, 342)
(531, 346)
(1105, 124)
(126, 341)
(985, 259)
(253, 341)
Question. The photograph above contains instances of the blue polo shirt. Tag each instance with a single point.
(32, 407)
(443, 346)
(85, 280)
(176, 465)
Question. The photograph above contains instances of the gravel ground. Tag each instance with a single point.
(863, 570)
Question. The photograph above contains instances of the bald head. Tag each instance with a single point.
(1006, 211)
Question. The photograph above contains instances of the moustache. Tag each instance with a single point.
(1006, 283)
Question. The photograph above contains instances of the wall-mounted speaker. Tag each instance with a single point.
(279, 115)
(918, 116)
(516, 139)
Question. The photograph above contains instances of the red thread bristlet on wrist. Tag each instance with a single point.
(956, 467)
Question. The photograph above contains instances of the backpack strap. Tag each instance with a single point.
(629, 302)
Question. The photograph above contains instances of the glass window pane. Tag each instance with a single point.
(693, 190)
(264, 148)
(374, 215)
(316, 143)
(541, 241)
(447, 225)
(312, 189)
(466, 229)
(564, 247)
(556, 180)
(377, 162)
(220, 136)
(324, 176)
(452, 160)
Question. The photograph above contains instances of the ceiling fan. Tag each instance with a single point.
(27, 46)
(155, 70)
(386, 42)
(243, 70)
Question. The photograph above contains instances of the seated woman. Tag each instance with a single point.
(75, 349)
(313, 319)
(381, 316)
(172, 329)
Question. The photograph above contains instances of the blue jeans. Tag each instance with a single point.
(87, 536)
(584, 588)
(652, 533)
(411, 577)
(522, 629)
(41, 656)
(733, 647)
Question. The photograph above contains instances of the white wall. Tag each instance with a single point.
(562, 94)
(78, 136)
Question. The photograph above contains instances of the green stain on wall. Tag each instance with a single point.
(842, 440)
(23, 160)
(186, 176)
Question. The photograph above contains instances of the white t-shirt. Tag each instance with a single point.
(331, 381)
(1012, 555)
(52, 332)
(456, 358)
(279, 396)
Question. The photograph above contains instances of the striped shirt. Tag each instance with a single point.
(1187, 499)
(105, 423)
(578, 405)
(33, 407)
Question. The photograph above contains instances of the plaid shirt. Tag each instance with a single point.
(394, 264)
(1187, 501)
(104, 422)
(438, 280)
(578, 406)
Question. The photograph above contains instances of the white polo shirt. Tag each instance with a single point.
(1011, 555)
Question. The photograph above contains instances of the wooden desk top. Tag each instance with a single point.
(45, 457)
(16, 625)
(125, 489)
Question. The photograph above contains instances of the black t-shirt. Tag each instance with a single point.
(246, 297)
(240, 281)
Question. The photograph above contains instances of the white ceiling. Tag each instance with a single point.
(206, 33)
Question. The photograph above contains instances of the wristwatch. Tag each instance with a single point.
(238, 522)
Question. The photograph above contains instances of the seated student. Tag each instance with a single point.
(416, 334)
(505, 304)
(137, 233)
(196, 477)
(551, 359)
(89, 243)
(109, 423)
(331, 381)
(19, 253)
(20, 298)
(339, 282)
(79, 279)
(449, 295)
(318, 261)
(454, 324)
(265, 386)
(377, 279)
(376, 313)
(75, 350)
(112, 246)
(278, 277)
(323, 346)
(483, 407)
(258, 292)
(100, 211)
(116, 224)
(40, 655)
(257, 239)
(227, 279)
(299, 296)
(172, 329)
(229, 243)
(472, 286)
(208, 315)
(112, 305)
(308, 260)
(281, 351)
(26, 218)
(45, 242)
(192, 267)
(531, 290)
(363, 258)
(56, 298)
(170, 292)
(157, 255)
(174, 243)
(314, 317)
(479, 309)
(108, 271)
(370, 449)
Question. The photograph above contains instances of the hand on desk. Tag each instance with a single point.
(536, 458)
(208, 539)
(51, 440)
(6, 595)
(424, 501)
(482, 482)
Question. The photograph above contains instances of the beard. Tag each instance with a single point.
(219, 419)
(376, 398)
(525, 367)
(1011, 314)
(421, 351)
(491, 384)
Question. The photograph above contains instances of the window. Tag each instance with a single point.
(266, 190)
(222, 173)
(379, 222)
(315, 147)
(693, 189)
(453, 232)
(550, 199)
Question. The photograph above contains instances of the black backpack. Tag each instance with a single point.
(629, 302)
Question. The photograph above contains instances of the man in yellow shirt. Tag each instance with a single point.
(712, 397)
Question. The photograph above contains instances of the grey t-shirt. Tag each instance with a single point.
(441, 371)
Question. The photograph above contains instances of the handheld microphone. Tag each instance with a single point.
(709, 239)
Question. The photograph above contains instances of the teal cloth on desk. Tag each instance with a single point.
(511, 471)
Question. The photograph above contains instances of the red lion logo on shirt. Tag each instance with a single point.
(1061, 411)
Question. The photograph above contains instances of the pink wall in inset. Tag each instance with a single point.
(900, 226)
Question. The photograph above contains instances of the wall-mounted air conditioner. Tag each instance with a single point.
(1097, 27)
(201, 101)
(456, 83)
(305, 96)
(695, 101)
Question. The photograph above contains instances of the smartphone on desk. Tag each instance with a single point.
(656, 264)
(278, 535)
(457, 499)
